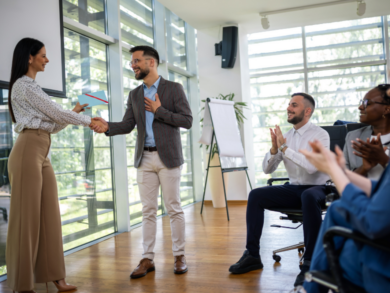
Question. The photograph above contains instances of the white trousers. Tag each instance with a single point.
(150, 174)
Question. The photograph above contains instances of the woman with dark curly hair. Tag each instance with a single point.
(363, 207)
(363, 158)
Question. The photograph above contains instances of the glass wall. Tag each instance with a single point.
(137, 22)
(6, 143)
(80, 158)
(340, 62)
(176, 39)
(91, 13)
(186, 183)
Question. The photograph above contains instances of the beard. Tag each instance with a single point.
(142, 73)
(296, 119)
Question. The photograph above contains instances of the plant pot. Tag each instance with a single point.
(216, 184)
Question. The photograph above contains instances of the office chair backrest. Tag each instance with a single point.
(354, 126)
(337, 134)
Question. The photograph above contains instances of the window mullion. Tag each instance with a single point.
(304, 52)
(387, 45)
(118, 153)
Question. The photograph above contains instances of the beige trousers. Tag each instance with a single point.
(150, 174)
(34, 241)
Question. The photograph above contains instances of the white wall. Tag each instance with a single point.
(214, 80)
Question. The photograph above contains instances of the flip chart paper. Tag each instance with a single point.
(225, 127)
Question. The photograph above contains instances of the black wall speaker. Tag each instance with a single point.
(228, 47)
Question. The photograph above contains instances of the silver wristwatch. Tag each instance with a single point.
(282, 146)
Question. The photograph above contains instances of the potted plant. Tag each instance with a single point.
(215, 178)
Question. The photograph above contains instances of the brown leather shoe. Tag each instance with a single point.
(180, 265)
(145, 266)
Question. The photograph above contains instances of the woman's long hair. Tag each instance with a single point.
(22, 52)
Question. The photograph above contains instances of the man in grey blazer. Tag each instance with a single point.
(158, 108)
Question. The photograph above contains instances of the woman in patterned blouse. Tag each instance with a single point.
(34, 242)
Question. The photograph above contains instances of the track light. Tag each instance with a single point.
(264, 22)
(361, 8)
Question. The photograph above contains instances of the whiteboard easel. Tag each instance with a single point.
(231, 151)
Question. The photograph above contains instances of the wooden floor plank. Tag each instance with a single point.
(212, 245)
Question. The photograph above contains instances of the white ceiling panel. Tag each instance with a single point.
(203, 14)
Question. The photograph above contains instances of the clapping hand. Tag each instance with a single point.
(322, 158)
(279, 136)
(99, 125)
(340, 158)
(274, 148)
(372, 152)
(329, 163)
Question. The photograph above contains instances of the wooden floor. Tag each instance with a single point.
(212, 245)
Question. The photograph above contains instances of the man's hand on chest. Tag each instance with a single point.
(151, 105)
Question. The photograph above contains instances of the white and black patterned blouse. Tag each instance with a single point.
(33, 109)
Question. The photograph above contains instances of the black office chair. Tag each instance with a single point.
(333, 279)
(354, 126)
(337, 134)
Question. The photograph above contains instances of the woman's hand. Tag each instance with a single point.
(327, 162)
(372, 152)
(99, 125)
(321, 158)
(340, 158)
(79, 108)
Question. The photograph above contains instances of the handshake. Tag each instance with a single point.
(99, 125)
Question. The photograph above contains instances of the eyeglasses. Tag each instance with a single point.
(365, 103)
(136, 61)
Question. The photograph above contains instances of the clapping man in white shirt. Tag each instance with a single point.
(306, 189)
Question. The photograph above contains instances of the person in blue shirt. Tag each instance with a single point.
(364, 206)
(158, 108)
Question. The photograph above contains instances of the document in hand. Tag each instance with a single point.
(93, 99)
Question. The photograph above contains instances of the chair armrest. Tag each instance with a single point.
(271, 180)
(348, 233)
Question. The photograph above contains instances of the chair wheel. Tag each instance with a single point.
(276, 257)
(301, 250)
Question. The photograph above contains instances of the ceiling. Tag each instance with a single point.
(203, 14)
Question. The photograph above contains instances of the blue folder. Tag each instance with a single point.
(94, 99)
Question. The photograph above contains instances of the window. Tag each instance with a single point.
(88, 12)
(357, 45)
(6, 144)
(176, 40)
(137, 22)
(186, 182)
(81, 159)
(337, 63)
(129, 81)
(268, 53)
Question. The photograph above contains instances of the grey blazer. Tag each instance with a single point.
(175, 112)
(353, 161)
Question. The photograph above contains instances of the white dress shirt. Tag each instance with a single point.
(299, 170)
(33, 109)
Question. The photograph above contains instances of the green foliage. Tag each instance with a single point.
(238, 110)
